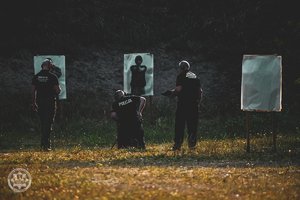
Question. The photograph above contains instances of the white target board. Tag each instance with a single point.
(261, 86)
(138, 74)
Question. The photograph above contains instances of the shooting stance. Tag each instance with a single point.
(47, 87)
(127, 112)
(189, 92)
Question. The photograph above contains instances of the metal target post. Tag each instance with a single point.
(274, 131)
(248, 128)
(248, 131)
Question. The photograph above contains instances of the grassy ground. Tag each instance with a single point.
(159, 128)
(82, 164)
(214, 170)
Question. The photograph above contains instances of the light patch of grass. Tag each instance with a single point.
(207, 172)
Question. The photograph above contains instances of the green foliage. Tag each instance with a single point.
(217, 30)
(87, 103)
(213, 27)
(84, 131)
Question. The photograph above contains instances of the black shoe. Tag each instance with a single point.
(176, 148)
(46, 149)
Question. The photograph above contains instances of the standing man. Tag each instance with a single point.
(189, 92)
(127, 112)
(47, 88)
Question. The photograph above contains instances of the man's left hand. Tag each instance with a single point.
(140, 117)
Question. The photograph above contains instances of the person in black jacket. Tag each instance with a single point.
(127, 112)
(47, 88)
(189, 93)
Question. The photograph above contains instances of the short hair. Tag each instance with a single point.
(118, 93)
(184, 65)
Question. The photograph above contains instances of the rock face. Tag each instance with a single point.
(99, 72)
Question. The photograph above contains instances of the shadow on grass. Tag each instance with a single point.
(211, 155)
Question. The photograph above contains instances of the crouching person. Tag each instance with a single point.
(127, 112)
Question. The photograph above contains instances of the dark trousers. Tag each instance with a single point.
(186, 113)
(131, 134)
(47, 110)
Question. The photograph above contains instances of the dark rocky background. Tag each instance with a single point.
(95, 34)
